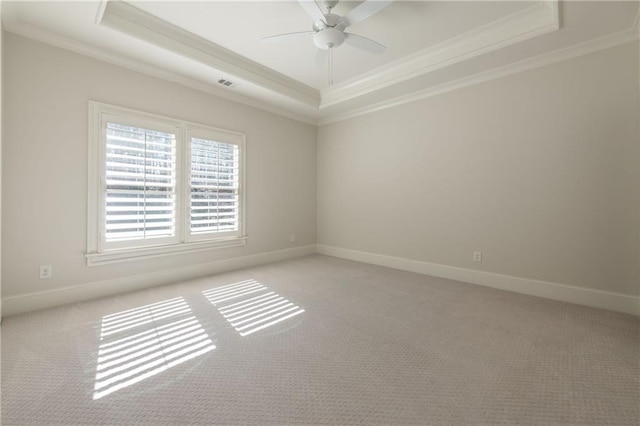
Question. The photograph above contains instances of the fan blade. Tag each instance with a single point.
(312, 9)
(321, 59)
(365, 10)
(287, 36)
(364, 43)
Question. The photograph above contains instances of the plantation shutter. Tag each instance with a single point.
(215, 184)
(140, 180)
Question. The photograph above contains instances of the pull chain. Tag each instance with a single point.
(330, 67)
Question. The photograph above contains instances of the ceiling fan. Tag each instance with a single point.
(328, 29)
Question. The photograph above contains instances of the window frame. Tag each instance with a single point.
(173, 128)
(208, 133)
(98, 252)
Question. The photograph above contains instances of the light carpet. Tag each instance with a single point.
(319, 340)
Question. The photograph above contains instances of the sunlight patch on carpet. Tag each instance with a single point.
(139, 343)
(246, 310)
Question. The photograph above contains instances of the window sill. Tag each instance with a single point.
(126, 255)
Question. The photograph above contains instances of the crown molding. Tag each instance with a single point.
(536, 20)
(102, 6)
(49, 37)
(128, 19)
(541, 18)
(585, 48)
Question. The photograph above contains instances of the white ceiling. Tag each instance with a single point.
(429, 45)
(405, 27)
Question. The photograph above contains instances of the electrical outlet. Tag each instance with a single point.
(45, 272)
(292, 238)
(477, 256)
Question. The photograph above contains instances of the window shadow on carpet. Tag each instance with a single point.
(139, 343)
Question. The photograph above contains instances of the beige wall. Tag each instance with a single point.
(1, 35)
(539, 171)
(45, 165)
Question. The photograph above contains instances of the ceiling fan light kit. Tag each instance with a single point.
(328, 38)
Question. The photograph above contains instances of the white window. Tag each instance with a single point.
(159, 186)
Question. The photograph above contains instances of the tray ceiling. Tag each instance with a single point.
(199, 43)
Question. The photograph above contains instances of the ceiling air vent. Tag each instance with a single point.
(226, 83)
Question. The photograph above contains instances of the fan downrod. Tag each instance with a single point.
(328, 4)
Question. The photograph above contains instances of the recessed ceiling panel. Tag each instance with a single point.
(430, 44)
(405, 27)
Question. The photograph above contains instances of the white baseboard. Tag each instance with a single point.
(33, 301)
(582, 296)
